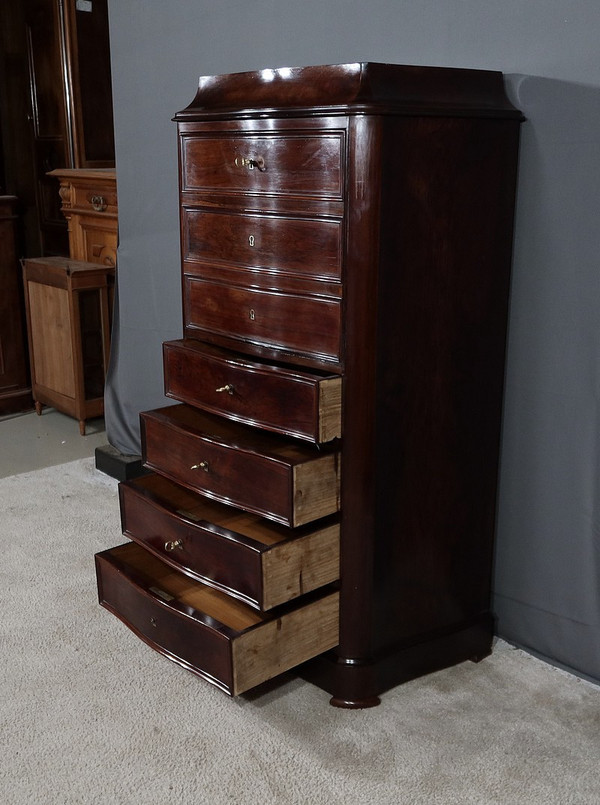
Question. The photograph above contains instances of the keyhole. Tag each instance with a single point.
(252, 315)
(251, 240)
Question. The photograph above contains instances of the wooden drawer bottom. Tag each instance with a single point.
(219, 638)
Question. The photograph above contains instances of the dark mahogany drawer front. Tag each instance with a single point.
(274, 477)
(261, 563)
(296, 245)
(144, 605)
(294, 402)
(272, 163)
(283, 323)
(206, 631)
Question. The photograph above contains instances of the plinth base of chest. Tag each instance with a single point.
(356, 683)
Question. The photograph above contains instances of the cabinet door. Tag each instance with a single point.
(15, 395)
(67, 46)
(52, 143)
(88, 43)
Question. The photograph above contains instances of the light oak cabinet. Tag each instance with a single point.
(89, 203)
(68, 322)
(324, 495)
(70, 300)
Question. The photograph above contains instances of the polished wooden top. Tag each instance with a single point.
(357, 87)
(74, 174)
(65, 265)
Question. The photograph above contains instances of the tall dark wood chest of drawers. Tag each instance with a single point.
(323, 495)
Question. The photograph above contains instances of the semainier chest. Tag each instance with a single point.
(322, 495)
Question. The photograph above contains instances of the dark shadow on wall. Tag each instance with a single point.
(547, 570)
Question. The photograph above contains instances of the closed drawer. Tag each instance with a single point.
(99, 242)
(94, 198)
(304, 246)
(221, 639)
(270, 163)
(297, 403)
(288, 482)
(263, 321)
(261, 563)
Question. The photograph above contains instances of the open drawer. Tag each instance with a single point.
(204, 630)
(295, 402)
(260, 562)
(291, 482)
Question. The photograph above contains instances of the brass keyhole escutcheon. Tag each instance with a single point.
(170, 546)
(252, 315)
(227, 388)
(250, 163)
(245, 162)
(153, 622)
(251, 240)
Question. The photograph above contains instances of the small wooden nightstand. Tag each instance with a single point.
(68, 324)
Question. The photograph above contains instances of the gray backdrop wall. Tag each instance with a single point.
(547, 576)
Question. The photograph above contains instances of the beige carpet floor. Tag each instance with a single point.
(89, 714)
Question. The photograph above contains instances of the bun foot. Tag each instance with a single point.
(359, 704)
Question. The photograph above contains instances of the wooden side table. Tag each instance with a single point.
(68, 324)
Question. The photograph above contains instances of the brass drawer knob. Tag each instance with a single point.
(170, 546)
(227, 387)
(203, 465)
